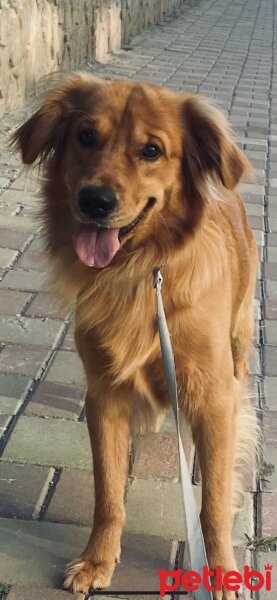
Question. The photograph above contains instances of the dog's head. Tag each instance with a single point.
(134, 161)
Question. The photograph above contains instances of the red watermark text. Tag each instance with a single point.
(190, 581)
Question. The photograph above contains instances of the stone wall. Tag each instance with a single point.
(139, 14)
(38, 37)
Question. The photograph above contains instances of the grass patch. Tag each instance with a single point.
(4, 590)
(265, 471)
(266, 544)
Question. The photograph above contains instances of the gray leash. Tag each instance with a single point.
(196, 544)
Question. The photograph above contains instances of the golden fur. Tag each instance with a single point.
(197, 230)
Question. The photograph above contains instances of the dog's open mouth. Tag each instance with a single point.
(128, 228)
(96, 245)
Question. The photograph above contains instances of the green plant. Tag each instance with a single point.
(263, 544)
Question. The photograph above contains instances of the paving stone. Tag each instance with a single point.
(270, 309)
(78, 485)
(46, 305)
(256, 222)
(270, 360)
(4, 422)
(272, 208)
(272, 221)
(14, 386)
(55, 400)
(253, 198)
(272, 193)
(9, 406)
(257, 310)
(34, 552)
(12, 302)
(270, 426)
(7, 257)
(257, 163)
(34, 261)
(67, 368)
(258, 291)
(271, 271)
(254, 361)
(262, 559)
(244, 522)
(15, 240)
(163, 516)
(251, 188)
(35, 592)
(23, 359)
(37, 244)
(2, 273)
(259, 237)
(52, 442)
(4, 181)
(24, 546)
(17, 223)
(8, 206)
(30, 281)
(253, 390)
(255, 151)
(23, 489)
(267, 508)
(270, 389)
(29, 183)
(20, 197)
(271, 289)
(141, 556)
(24, 330)
(271, 333)
(254, 209)
(69, 341)
(243, 557)
(156, 456)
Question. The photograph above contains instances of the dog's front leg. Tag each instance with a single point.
(214, 430)
(108, 421)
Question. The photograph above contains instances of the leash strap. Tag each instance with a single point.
(194, 531)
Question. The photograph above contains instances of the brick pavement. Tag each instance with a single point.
(221, 48)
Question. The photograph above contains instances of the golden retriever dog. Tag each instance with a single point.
(137, 176)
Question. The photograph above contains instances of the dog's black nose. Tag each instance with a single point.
(96, 202)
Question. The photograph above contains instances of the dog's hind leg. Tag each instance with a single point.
(243, 323)
(247, 449)
(241, 338)
(213, 427)
(248, 440)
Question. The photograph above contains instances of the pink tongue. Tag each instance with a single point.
(96, 247)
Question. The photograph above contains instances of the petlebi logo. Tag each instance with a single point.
(253, 580)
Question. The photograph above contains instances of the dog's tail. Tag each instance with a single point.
(248, 445)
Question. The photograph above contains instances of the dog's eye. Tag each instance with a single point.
(86, 137)
(151, 152)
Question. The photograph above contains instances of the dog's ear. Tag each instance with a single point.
(45, 131)
(209, 150)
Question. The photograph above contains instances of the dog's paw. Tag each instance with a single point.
(83, 575)
(226, 595)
